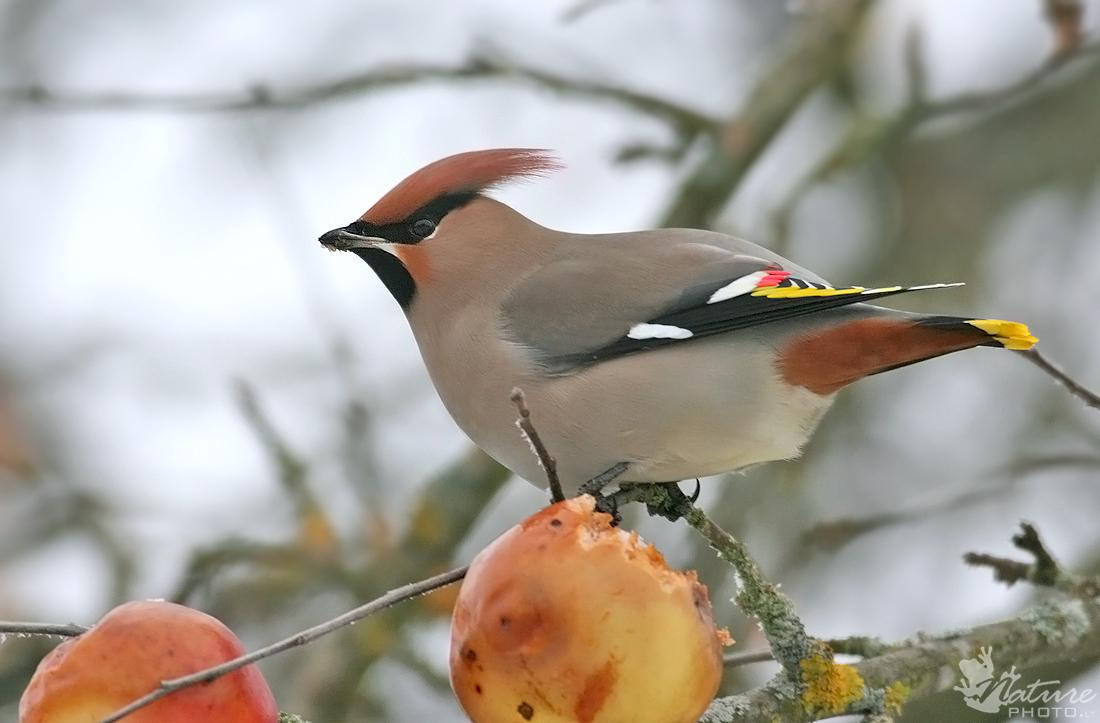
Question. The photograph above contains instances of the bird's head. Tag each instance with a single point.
(428, 212)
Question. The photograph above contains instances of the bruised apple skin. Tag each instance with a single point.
(566, 618)
(126, 655)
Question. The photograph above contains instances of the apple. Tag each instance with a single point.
(565, 617)
(126, 655)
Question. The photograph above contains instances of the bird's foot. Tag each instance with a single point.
(608, 503)
(661, 499)
(667, 500)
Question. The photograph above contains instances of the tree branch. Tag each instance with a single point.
(786, 634)
(393, 597)
(263, 97)
(1053, 631)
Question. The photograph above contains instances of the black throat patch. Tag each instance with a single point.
(393, 273)
(416, 227)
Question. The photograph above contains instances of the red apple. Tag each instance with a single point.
(126, 655)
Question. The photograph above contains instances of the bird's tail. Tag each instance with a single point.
(830, 358)
(998, 332)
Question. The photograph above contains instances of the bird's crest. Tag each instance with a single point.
(468, 172)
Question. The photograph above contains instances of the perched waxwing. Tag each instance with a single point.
(663, 355)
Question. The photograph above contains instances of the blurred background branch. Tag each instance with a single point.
(480, 67)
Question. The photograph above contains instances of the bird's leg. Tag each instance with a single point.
(608, 503)
(595, 485)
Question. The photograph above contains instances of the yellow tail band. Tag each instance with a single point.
(1010, 334)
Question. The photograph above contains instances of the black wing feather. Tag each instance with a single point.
(763, 306)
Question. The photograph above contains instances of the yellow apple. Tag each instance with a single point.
(567, 618)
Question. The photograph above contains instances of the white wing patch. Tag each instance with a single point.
(658, 331)
(737, 287)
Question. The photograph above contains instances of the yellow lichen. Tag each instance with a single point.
(829, 687)
(896, 695)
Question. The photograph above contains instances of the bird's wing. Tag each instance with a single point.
(606, 304)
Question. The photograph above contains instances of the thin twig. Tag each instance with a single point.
(1083, 393)
(549, 464)
(1047, 568)
(67, 630)
(733, 660)
(1004, 569)
(1043, 571)
(397, 595)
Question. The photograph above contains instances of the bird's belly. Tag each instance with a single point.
(715, 444)
(690, 412)
(671, 414)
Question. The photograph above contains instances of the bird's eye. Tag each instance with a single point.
(423, 228)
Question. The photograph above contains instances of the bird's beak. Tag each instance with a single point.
(341, 239)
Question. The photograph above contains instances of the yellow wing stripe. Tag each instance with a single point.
(1010, 334)
(794, 292)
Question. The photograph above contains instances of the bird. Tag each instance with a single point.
(644, 357)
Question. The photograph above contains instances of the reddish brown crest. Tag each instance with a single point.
(471, 171)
